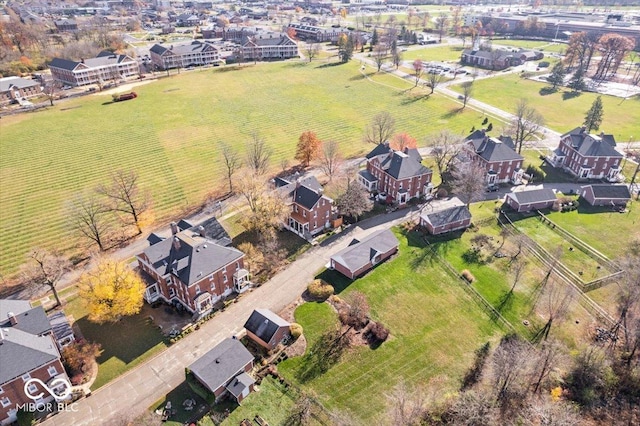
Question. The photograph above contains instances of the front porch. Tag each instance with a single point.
(555, 157)
(369, 181)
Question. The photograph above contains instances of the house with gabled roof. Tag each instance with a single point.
(362, 256)
(194, 267)
(266, 328)
(606, 195)
(28, 350)
(311, 210)
(400, 174)
(497, 156)
(107, 66)
(268, 46)
(184, 55)
(18, 88)
(224, 370)
(587, 156)
(536, 199)
(448, 219)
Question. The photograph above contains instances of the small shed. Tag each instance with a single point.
(524, 201)
(606, 195)
(361, 256)
(266, 328)
(447, 220)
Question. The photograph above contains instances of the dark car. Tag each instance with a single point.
(492, 188)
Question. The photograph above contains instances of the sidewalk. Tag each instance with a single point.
(131, 394)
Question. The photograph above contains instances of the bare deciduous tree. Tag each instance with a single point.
(418, 69)
(379, 54)
(406, 405)
(45, 268)
(380, 129)
(258, 155)
(87, 215)
(51, 89)
(445, 147)
(433, 80)
(330, 160)
(356, 313)
(353, 201)
(546, 359)
(526, 123)
(558, 297)
(467, 89)
(232, 163)
(312, 50)
(510, 367)
(469, 182)
(125, 197)
(301, 413)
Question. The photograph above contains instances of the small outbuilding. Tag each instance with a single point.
(361, 256)
(224, 370)
(525, 201)
(266, 328)
(606, 195)
(447, 220)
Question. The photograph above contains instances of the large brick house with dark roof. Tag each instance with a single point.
(192, 268)
(184, 55)
(311, 210)
(587, 156)
(17, 88)
(268, 46)
(496, 156)
(28, 350)
(106, 66)
(400, 174)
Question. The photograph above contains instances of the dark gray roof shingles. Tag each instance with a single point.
(358, 255)
(446, 216)
(534, 196)
(619, 192)
(222, 363)
(264, 324)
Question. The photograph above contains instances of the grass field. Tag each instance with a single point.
(435, 327)
(606, 231)
(171, 135)
(430, 53)
(560, 114)
(543, 46)
(125, 344)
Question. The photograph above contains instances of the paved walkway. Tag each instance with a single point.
(131, 394)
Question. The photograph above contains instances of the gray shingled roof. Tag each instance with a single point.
(221, 364)
(60, 325)
(182, 49)
(533, 196)
(306, 197)
(492, 149)
(401, 166)
(239, 384)
(368, 176)
(194, 259)
(357, 255)
(306, 191)
(7, 82)
(21, 352)
(446, 216)
(264, 324)
(31, 320)
(619, 192)
(64, 64)
(590, 145)
(213, 230)
(380, 149)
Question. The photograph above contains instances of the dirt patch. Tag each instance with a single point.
(123, 88)
(297, 348)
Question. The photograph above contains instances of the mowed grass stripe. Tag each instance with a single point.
(172, 133)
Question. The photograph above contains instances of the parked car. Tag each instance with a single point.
(492, 187)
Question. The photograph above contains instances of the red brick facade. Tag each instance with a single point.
(449, 227)
(361, 271)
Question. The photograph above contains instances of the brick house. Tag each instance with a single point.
(525, 201)
(361, 256)
(28, 350)
(496, 156)
(311, 210)
(184, 55)
(496, 60)
(17, 88)
(400, 174)
(224, 370)
(587, 156)
(606, 195)
(446, 220)
(107, 66)
(268, 46)
(192, 268)
(266, 328)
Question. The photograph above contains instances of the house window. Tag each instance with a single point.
(52, 371)
(584, 163)
(26, 377)
(295, 207)
(304, 213)
(168, 280)
(197, 289)
(326, 214)
(172, 292)
(237, 266)
(315, 214)
(1, 390)
(5, 402)
(32, 388)
(224, 278)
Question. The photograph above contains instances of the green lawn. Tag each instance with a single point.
(125, 344)
(272, 402)
(543, 46)
(560, 114)
(435, 327)
(171, 135)
(430, 53)
(606, 231)
(577, 261)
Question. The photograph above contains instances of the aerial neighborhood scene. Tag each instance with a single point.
(319, 212)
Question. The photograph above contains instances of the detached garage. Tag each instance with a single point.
(447, 220)
(525, 201)
(606, 195)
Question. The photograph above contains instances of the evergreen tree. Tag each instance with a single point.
(577, 83)
(557, 75)
(593, 119)
(374, 37)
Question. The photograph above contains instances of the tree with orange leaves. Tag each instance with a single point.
(401, 141)
(308, 147)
